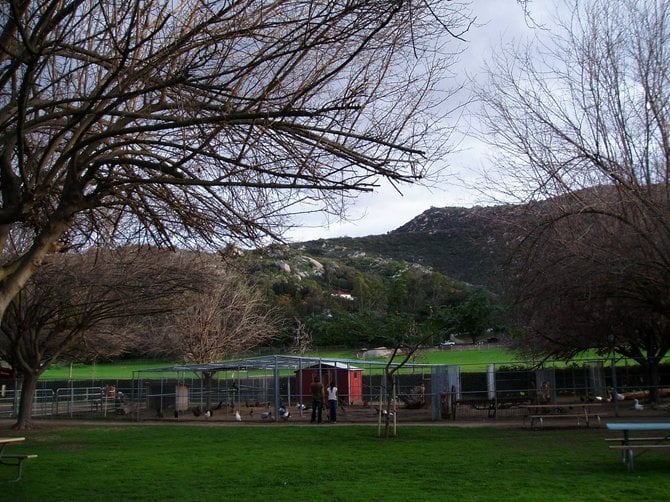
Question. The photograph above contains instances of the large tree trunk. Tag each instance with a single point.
(649, 365)
(15, 277)
(28, 386)
(651, 369)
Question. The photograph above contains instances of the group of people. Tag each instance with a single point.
(319, 395)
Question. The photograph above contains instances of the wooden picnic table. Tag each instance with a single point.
(478, 404)
(578, 411)
(630, 445)
(13, 460)
(489, 405)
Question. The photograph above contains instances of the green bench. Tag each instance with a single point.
(632, 447)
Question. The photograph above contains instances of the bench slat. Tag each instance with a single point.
(18, 462)
(638, 446)
(659, 438)
(559, 415)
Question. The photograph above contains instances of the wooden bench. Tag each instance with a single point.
(628, 451)
(17, 460)
(489, 405)
(631, 447)
(634, 440)
(541, 412)
(552, 416)
(13, 459)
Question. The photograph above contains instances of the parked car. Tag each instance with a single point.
(447, 343)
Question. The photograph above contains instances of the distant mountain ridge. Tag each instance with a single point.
(467, 244)
(473, 245)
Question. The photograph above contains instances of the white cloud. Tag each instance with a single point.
(385, 209)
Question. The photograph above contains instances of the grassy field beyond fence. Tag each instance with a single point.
(344, 463)
(475, 360)
(471, 359)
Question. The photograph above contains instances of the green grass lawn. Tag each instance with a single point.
(342, 463)
(103, 371)
(472, 360)
(478, 357)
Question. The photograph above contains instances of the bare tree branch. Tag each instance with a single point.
(581, 121)
(208, 121)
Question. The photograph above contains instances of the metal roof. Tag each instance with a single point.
(273, 362)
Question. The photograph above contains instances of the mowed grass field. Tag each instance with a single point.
(475, 359)
(284, 462)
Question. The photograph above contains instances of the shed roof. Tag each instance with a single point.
(336, 364)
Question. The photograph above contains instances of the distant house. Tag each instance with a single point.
(348, 380)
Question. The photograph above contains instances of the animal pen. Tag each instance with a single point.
(269, 387)
(272, 388)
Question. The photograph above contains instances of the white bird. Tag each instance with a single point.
(238, 418)
(619, 397)
(266, 415)
(637, 406)
(208, 414)
(300, 406)
(383, 411)
(286, 415)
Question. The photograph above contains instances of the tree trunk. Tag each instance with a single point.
(389, 406)
(16, 277)
(29, 383)
(207, 377)
(652, 379)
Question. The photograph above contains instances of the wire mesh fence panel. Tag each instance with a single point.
(419, 392)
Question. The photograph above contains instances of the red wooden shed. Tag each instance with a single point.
(348, 380)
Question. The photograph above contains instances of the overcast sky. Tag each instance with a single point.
(385, 209)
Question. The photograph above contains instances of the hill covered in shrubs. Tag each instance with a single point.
(364, 291)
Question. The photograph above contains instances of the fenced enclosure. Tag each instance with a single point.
(266, 388)
(69, 398)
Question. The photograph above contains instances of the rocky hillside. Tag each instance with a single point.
(467, 244)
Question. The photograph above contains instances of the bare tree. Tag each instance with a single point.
(77, 306)
(405, 346)
(174, 122)
(582, 122)
(302, 338)
(226, 317)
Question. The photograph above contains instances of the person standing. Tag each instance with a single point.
(332, 402)
(317, 399)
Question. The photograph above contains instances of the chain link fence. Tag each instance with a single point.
(422, 393)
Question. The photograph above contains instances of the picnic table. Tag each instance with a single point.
(13, 460)
(478, 404)
(488, 405)
(579, 411)
(629, 445)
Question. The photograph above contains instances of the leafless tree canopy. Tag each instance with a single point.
(79, 306)
(174, 121)
(586, 106)
(89, 306)
(227, 317)
(582, 120)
